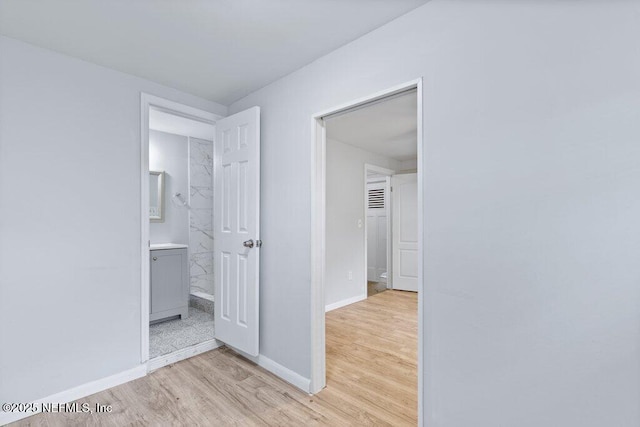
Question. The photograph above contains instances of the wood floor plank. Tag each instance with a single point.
(371, 381)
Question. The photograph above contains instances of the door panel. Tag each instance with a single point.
(405, 231)
(236, 220)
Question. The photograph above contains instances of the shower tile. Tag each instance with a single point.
(201, 151)
(195, 288)
(201, 263)
(201, 214)
(200, 175)
(201, 197)
(202, 283)
(200, 241)
(201, 219)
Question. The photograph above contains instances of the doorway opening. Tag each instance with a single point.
(177, 244)
(367, 250)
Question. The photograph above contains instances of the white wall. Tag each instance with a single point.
(170, 153)
(345, 207)
(69, 220)
(530, 196)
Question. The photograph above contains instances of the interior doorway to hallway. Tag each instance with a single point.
(369, 245)
(371, 200)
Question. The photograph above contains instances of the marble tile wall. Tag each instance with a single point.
(201, 215)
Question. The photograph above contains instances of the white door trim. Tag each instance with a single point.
(378, 169)
(388, 173)
(148, 101)
(318, 237)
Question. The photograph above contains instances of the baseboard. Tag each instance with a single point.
(278, 370)
(286, 374)
(179, 355)
(344, 302)
(78, 392)
(97, 386)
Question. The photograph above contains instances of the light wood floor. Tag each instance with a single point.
(371, 380)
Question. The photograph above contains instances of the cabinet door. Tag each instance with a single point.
(168, 279)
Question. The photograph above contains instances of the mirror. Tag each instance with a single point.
(156, 196)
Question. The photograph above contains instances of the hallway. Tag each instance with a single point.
(372, 357)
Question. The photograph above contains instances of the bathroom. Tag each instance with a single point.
(181, 234)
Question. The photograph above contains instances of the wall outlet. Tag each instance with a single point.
(350, 275)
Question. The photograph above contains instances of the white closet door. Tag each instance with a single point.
(377, 215)
(405, 231)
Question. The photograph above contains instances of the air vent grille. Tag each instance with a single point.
(376, 198)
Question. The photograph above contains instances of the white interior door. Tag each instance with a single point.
(405, 231)
(236, 230)
(377, 208)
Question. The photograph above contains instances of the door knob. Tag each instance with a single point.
(155, 258)
(248, 243)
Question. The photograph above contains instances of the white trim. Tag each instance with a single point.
(318, 171)
(318, 254)
(181, 110)
(145, 242)
(185, 353)
(379, 169)
(370, 98)
(389, 206)
(424, 315)
(277, 369)
(148, 101)
(284, 373)
(78, 392)
(344, 302)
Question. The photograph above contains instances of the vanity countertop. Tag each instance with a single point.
(158, 246)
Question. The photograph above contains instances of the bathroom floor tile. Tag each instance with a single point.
(167, 337)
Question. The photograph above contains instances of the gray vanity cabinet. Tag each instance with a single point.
(169, 284)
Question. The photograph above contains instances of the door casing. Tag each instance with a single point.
(148, 102)
(318, 236)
